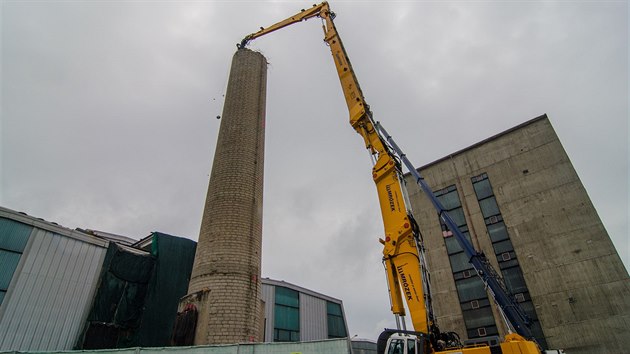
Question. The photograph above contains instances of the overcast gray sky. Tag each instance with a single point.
(108, 115)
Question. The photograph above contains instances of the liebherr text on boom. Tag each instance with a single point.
(403, 250)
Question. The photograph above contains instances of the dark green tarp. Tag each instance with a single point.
(117, 309)
(174, 261)
(138, 294)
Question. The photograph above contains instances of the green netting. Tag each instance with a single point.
(132, 267)
(137, 298)
(117, 309)
(174, 261)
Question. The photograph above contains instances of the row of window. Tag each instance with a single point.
(287, 317)
(504, 250)
(473, 299)
(474, 302)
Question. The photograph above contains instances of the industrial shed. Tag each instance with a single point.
(63, 289)
(48, 277)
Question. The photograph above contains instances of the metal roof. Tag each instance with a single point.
(268, 281)
(98, 238)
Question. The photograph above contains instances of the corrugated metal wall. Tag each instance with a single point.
(268, 296)
(313, 318)
(50, 294)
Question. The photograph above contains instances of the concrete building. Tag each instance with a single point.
(225, 284)
(517, 197)
(293, 313)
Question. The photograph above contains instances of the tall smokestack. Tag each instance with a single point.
(225, 281)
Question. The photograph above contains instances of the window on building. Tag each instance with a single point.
(483, 189)
(458, 217)
(452, 246)
(470, 289)
(497, 231)
(460, 262)
(477, 318)
(489, 207)
(504, 251)
(450, 200)
(13, 239)
(336, 325)
(514, 280)
(504, 246)
(286, 315)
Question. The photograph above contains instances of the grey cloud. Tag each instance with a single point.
(108, 115)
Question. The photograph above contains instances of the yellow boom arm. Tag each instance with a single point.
(401, 253)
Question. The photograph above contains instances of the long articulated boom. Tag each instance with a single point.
(403, 251)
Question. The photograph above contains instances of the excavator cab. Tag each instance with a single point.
(402, 342)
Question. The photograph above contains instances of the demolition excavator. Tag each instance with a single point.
(403, 249)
